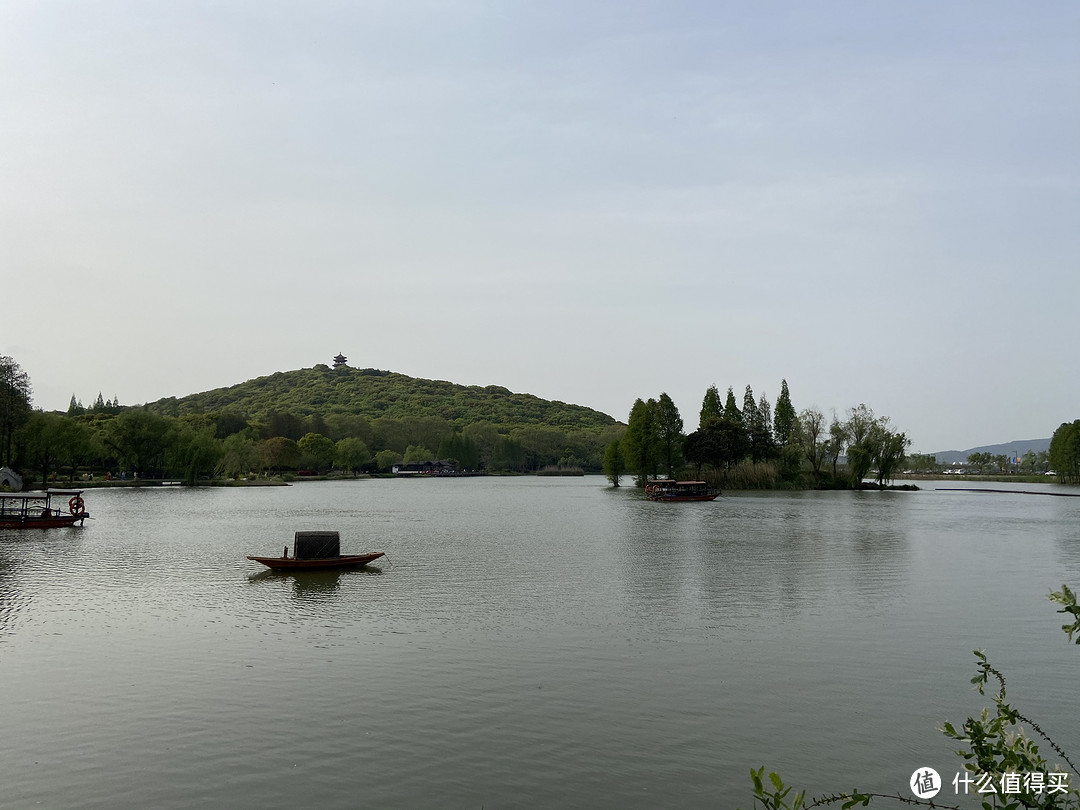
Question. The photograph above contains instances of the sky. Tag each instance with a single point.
(586, 201)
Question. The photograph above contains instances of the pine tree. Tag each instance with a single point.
(669, 432)
(731, 410)
(784, 418)
(710, 407)
(765, 417)
(640, 443)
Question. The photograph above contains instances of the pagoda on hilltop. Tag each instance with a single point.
(339, 361)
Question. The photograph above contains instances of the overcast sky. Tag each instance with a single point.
(586, 201)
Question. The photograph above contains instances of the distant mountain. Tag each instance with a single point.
(1011, 449)
(373, 394)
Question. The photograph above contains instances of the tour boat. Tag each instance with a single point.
(668, 490)
(317, 550)
(35, 510)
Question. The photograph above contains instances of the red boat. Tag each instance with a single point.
(35, 510)
(667, 490)
(317, 550)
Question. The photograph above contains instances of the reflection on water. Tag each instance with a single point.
(538, 642)
(312, 584)
(12, 601)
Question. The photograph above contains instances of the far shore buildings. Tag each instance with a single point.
(340, 360)
(425, 468)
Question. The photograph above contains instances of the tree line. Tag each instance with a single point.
(110, 439)
(1065, 452)
(759, 444)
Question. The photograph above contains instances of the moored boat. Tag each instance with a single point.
(317, 550)
(36, 510)
(341, 561)
(664, 489)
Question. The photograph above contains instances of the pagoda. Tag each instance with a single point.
(339, 361)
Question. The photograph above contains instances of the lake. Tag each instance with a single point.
(533, 642)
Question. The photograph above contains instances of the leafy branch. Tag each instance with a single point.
(997, 745)
(1067, 598)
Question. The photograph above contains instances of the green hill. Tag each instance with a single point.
(376, 394)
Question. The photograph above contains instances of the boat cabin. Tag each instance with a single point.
(316, 545)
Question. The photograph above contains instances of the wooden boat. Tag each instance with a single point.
(341, 561)
(317, 550)
(36, 510)
(668, 490)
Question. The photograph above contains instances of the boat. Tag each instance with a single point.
(664, 489)
(36, 510)
(317, 550)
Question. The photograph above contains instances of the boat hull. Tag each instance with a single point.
(55, 522)
(343, 561)
(707, 497)
(666, 490)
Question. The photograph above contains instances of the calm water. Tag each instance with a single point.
(535, 643)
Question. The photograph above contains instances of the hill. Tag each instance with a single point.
(1010, 449)
(375, 394)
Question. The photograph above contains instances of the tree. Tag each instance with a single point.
(731, 410)
(1065, 452)
(923, 463)
(77, 445)
(614, 463)
(764, 427)
(756, 416)
(15, 397)
(351, 454)
(460, 448)
(641, 443)
(484, 436)
(240, 455)
(982, 462)
(837, 442)
(279, 453)
(859, 422)
(343, 425)
(720, 443)
(784, 417)
(44, 441)
(860, 449)
(810, 431)
(139, 438)
(711, 408)
(193, 452)
(386, 459)
(669, 433)
(317, 451)
(889, 449)
(416, 453)
(507, 454)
